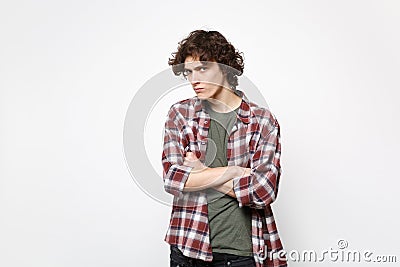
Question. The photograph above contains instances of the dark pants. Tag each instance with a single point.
(177, 259)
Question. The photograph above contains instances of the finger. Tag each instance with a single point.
(188, 161)
(191, 156)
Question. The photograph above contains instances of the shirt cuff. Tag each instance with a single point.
(177, 176)
(241, 186)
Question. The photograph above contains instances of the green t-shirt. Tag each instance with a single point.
(230, 225)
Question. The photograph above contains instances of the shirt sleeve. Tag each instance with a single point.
(175, 173)
(260, 188)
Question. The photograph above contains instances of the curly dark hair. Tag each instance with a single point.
(209, 46)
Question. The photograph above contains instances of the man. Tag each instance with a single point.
(221, 161)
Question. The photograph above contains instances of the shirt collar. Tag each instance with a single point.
(244, 111)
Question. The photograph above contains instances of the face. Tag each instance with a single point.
(206, 78)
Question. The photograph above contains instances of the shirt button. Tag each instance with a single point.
(260, 224)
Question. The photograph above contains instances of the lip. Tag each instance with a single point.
(199, 89)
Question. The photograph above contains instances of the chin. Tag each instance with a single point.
(201, 95)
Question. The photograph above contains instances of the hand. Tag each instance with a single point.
(227, 187)
(246, 172)
(192, 161)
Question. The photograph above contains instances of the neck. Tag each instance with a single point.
(225, 101)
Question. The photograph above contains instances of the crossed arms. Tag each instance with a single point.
(219, 178)
(256, 187)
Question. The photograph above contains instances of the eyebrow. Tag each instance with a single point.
(202, 64)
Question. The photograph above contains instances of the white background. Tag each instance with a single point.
(329, 71)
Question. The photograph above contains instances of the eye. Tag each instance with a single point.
(202, 69)
(186, 72)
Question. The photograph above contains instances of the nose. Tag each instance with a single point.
(193, 78)
(194, 83)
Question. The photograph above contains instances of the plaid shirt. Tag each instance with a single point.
(254, 142)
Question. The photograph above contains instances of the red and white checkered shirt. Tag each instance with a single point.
(254, 142)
